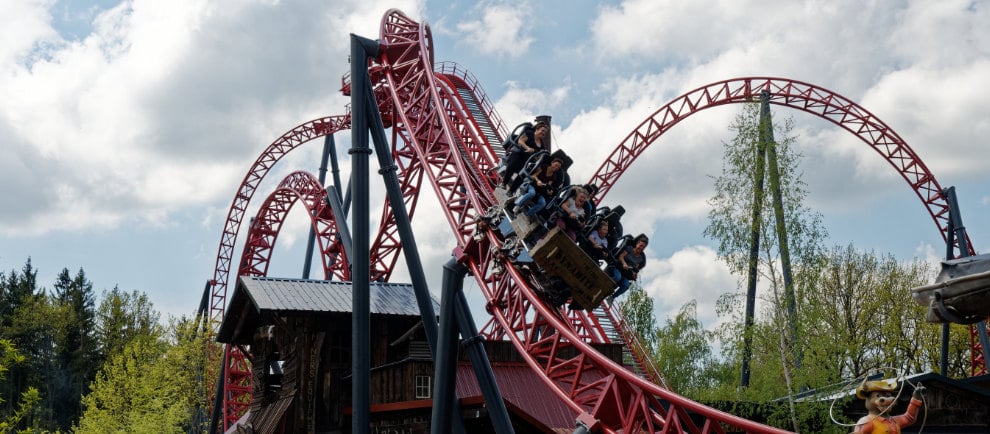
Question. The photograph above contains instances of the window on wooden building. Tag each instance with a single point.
(423, 386)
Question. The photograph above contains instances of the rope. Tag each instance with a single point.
(901, 380)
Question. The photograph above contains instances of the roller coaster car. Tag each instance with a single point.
(544, 157)
(536, 160)
(961, 292)
(565, 269)
(559, 256)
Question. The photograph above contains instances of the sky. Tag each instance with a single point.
(127, 127)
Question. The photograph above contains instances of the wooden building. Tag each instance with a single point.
(298, 336)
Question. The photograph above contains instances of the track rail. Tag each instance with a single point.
(436, 138)
(245, 192)
(297, 187)
(607, 396)
(811, 99)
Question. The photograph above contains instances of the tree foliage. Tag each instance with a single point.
(150, 385)
(684, 353)
(859, 318)
(637, 312)
(30, 323)
(53, 343)
(28, 403)
(76, 358)
(853, 311)
(730, 218)
(741, 190)
(121, 317)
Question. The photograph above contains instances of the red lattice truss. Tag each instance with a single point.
(434, 137)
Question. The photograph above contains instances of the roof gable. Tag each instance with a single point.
(300, 295)
(256, 297)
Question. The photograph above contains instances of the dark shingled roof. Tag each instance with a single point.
(281, 294)
(256, 297)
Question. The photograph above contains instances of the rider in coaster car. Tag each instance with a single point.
(596, 243)
(572, 213)
(541, 185)
(631, 260)
(533, 139)
(612, 241)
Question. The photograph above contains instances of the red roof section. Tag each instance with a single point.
(525, 394)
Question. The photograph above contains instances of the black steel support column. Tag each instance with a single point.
(981, 333)
(361, 50)
(347, 194)
(340, 217)
(402, 222)
(334, 166)
(950, 245)
(956, 236)
(474, 344)
(327, 149)
(446, 358)
(216, 417)
(754, 257)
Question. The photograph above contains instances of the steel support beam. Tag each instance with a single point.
(361, 50)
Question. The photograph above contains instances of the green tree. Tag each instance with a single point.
(683, 352)
(76, 358)
(150, 385)
(730, 218)
(28, 403)
(738, 192)
(30, 322)
(121, 317)
(637, 312)
(860, 318)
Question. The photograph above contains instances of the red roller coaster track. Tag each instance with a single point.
(437, 135)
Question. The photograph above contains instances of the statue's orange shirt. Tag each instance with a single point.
(871, 424)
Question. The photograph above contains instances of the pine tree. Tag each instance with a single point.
(121, 317)
(32, 322)
(20, 303)
(76, 356)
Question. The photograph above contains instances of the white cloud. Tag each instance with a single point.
(928, 253)
(520, 104)
(502, 30)
(154, 110)
(942, 34)
(25, 27)
(661, 29)
(691, 273)
(939, 113)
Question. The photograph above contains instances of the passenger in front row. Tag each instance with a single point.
(631, 260)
